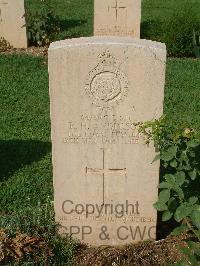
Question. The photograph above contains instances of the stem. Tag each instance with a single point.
(192, 228)
(190, 225)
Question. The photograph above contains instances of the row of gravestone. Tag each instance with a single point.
(105, 183)
(111, 17)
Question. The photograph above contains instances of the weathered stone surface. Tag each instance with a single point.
(100, 87)
(12, 22)
(117, 17)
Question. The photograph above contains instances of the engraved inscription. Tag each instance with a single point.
(117, 8)
(119, 14)
(3, 3)
(102, 129)
(118, 31)
(103, 172)
(106, 85)
(108, 218)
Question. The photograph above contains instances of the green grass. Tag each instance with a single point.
(182, 92)
(160, 10)
(25, 148)
(77, 15)
(25, 164)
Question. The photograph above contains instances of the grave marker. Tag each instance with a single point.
(12, 22)
(117, 17)
(104, 179)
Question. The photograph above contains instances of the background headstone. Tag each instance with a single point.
(12, 22)
(117, 17)
(100, 87)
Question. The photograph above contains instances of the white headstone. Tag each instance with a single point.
(104, 181)
(12, 22)
(117, 17)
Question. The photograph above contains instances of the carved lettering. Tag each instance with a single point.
(102, 129)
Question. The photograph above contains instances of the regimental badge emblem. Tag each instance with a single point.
(106, 85)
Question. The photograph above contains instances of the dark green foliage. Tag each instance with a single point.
(42, 25)
(179, 196)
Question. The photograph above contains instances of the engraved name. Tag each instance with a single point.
(102, 129)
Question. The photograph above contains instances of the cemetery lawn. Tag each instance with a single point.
(76, 16)
(25, 143)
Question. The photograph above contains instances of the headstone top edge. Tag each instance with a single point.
(112, 40)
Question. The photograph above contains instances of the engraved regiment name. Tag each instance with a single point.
(102, 129)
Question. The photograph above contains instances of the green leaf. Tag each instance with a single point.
(172, 204)
(165, 185)
(165, 164)
(180, 178)
(166, 216)
(160, 206)
(182, 212)
(193, 174)
(184, 157)
(179, 191)
(173, 163)
(164, 195)
(180, 229)
(170, 179)
(195, 217)
(193, 143)
(169, 154)
(193, 200)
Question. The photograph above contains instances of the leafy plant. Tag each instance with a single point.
(179, 196)
(43, 25)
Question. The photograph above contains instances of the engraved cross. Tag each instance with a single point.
(103, 172)
(117, 7)
(3, 3)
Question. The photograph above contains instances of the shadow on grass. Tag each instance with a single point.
(15, 154)
(71, 23)
(152, 29)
